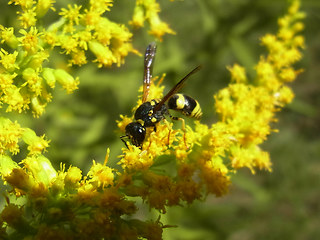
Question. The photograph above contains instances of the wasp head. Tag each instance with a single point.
(136, 132)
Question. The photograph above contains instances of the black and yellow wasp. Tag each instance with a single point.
(149, 113)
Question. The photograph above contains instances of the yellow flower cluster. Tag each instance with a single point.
(84, 29)
(86, 207)
(11, 133)
(25, 82)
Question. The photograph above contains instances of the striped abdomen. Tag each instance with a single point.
(186, 105)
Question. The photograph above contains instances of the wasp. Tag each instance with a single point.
(149, 113)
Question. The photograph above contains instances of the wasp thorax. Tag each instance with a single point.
(146, 114)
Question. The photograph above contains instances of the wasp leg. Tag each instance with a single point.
(169, 134)
(125, 143)
(183, 128)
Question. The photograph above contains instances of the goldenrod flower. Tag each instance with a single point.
(25, 4)
(43, 6)
(28, 18)
(41, 169)
(158, 27)
(6, 165)
(72, 177)
(138, 17)
(12, 214)
(38, 108)
(7, 36)
(68, 43)
(103, 54)
(78, 57)
(8, 61)
(148, 10)
(66, 80)
(10, 133)
(100, 6)
(51, 38)
(48, 76)
(72, 14)
(29, 40)
(36, 144)
(100, 175)
(33, 80)
(238, 74)
(20, 180)
(12, 96)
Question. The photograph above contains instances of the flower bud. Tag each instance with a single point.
(37, 107)
(36, 143)
(20, 179)
(48, 75)
(73, 176)
(103, 54)
(41, 169)
(28, 74)
(7, 165)
(12, 214)
(42, 7)
(7, 35)
(138, 17)
(66, 80)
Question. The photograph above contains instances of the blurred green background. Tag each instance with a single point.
(284, 204)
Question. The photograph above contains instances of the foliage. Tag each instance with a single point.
(174, 167)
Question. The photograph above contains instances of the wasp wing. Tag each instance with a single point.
(148, 67)
(175, 89)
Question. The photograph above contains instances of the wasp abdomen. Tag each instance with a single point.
(186, 105)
